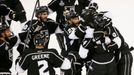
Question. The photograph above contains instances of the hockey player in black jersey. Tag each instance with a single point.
(6, 45)
(72, 42)
(41, 60)
(123, 55)
(12, 10)
(62, 6)
(42, 24)
(108, 39)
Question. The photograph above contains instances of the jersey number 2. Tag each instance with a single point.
(44, 66)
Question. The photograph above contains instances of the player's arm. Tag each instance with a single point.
(53, 5)
(7, 12)
(71, 63)
(55, 59)
(19, 11)
(23, 62)
(115, 36)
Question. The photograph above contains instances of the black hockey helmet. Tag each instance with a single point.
(101, 20)
(40, 39)
(3, 27)
(71, 14)
(41, 9)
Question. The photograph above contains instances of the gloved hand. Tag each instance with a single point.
(64, 53)
(112, 46)
(98, 35)
(4, 10)
(80, 31)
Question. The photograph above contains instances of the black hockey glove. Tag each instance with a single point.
(100, 48)
(112, 47)
(16, 16)
(80, 31)
(21, 47)
(11, 15)
(98, 35)
(4, 10)
(64, 53)
(88, 43)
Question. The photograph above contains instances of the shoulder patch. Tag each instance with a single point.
(69, 30)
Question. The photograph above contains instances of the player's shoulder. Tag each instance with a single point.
(49, 20)
(52, 50)
(2, 44)
(28, 51)
(33, 21)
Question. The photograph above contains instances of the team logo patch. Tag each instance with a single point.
(70, 31)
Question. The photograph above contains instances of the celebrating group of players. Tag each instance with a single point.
(86, 38)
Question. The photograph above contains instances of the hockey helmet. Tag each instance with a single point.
(101, 20)
(71, 14)
(41, 9)
(40, 39)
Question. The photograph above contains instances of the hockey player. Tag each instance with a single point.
(98, 46)
(108, 39)
(123, 55)
(41, 60)
(6, 45)
(73, 42)
(62, 6)
(42, 24)
(122, 50)
(16, 10)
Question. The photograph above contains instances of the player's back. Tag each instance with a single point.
(40, 61)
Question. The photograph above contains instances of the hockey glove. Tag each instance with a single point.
(4, 10)
(21, 47)
(98, 35)
(112, 47)
(80, 31)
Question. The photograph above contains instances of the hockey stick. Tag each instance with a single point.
(131, 48)
(37, 3)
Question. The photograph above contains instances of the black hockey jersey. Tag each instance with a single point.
(6, 54)
(40, 61)
(47, 28)
(72, 44)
